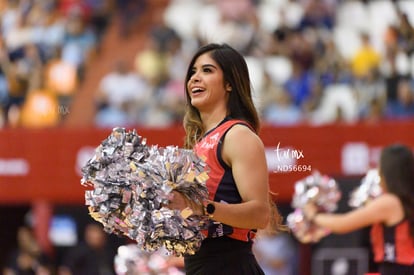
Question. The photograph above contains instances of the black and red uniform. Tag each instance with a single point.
(393, 248)
(226, 250)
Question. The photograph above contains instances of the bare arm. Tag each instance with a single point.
(386, 209)
(243, 151)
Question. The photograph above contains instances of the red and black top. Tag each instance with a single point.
(221, 185)
(393, 244)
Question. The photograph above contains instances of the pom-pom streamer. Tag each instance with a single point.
(132, 184)
(324, 193)
(368, 190)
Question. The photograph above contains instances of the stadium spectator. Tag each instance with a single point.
(28, 257)
(121, 97)
(299, 85)
(370, 89)
(93, 256)
(374, 112)
(318, 14)
(403, 107)
(79, 43)
(282, 111)
(405, 32)
(366, 58)
(129, 13)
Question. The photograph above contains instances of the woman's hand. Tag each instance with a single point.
(310, 210)
(177, 201)
(180, 202)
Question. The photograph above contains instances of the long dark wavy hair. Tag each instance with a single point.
(397, 168)
(240, 104)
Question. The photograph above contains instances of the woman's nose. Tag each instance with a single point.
(194, 77)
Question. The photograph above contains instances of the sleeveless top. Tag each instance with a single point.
(393, 244)
(220, 184)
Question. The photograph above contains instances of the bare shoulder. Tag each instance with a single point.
(390, 206)
(387, 200)
(241, 135)
(241, 143)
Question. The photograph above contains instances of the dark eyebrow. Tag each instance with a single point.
(207, 66)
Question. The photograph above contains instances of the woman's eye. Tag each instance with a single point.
(207, 70)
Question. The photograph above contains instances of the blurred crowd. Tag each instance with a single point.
(311, 61)
(45, 47)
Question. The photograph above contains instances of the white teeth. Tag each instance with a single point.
(195, 90)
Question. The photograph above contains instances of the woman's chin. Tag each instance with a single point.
(197, 103)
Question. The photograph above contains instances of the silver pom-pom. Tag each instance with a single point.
(368, 190)
(319, 189)
(132, 184)
(305, 231)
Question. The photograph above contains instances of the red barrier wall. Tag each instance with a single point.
(44, 164)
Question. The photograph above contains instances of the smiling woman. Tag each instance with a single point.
(206, 85)
(222, 126)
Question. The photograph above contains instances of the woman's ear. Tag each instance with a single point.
(228, 87)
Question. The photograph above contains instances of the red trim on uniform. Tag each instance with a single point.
(377, 242)
(403, 243)
(207, 148)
